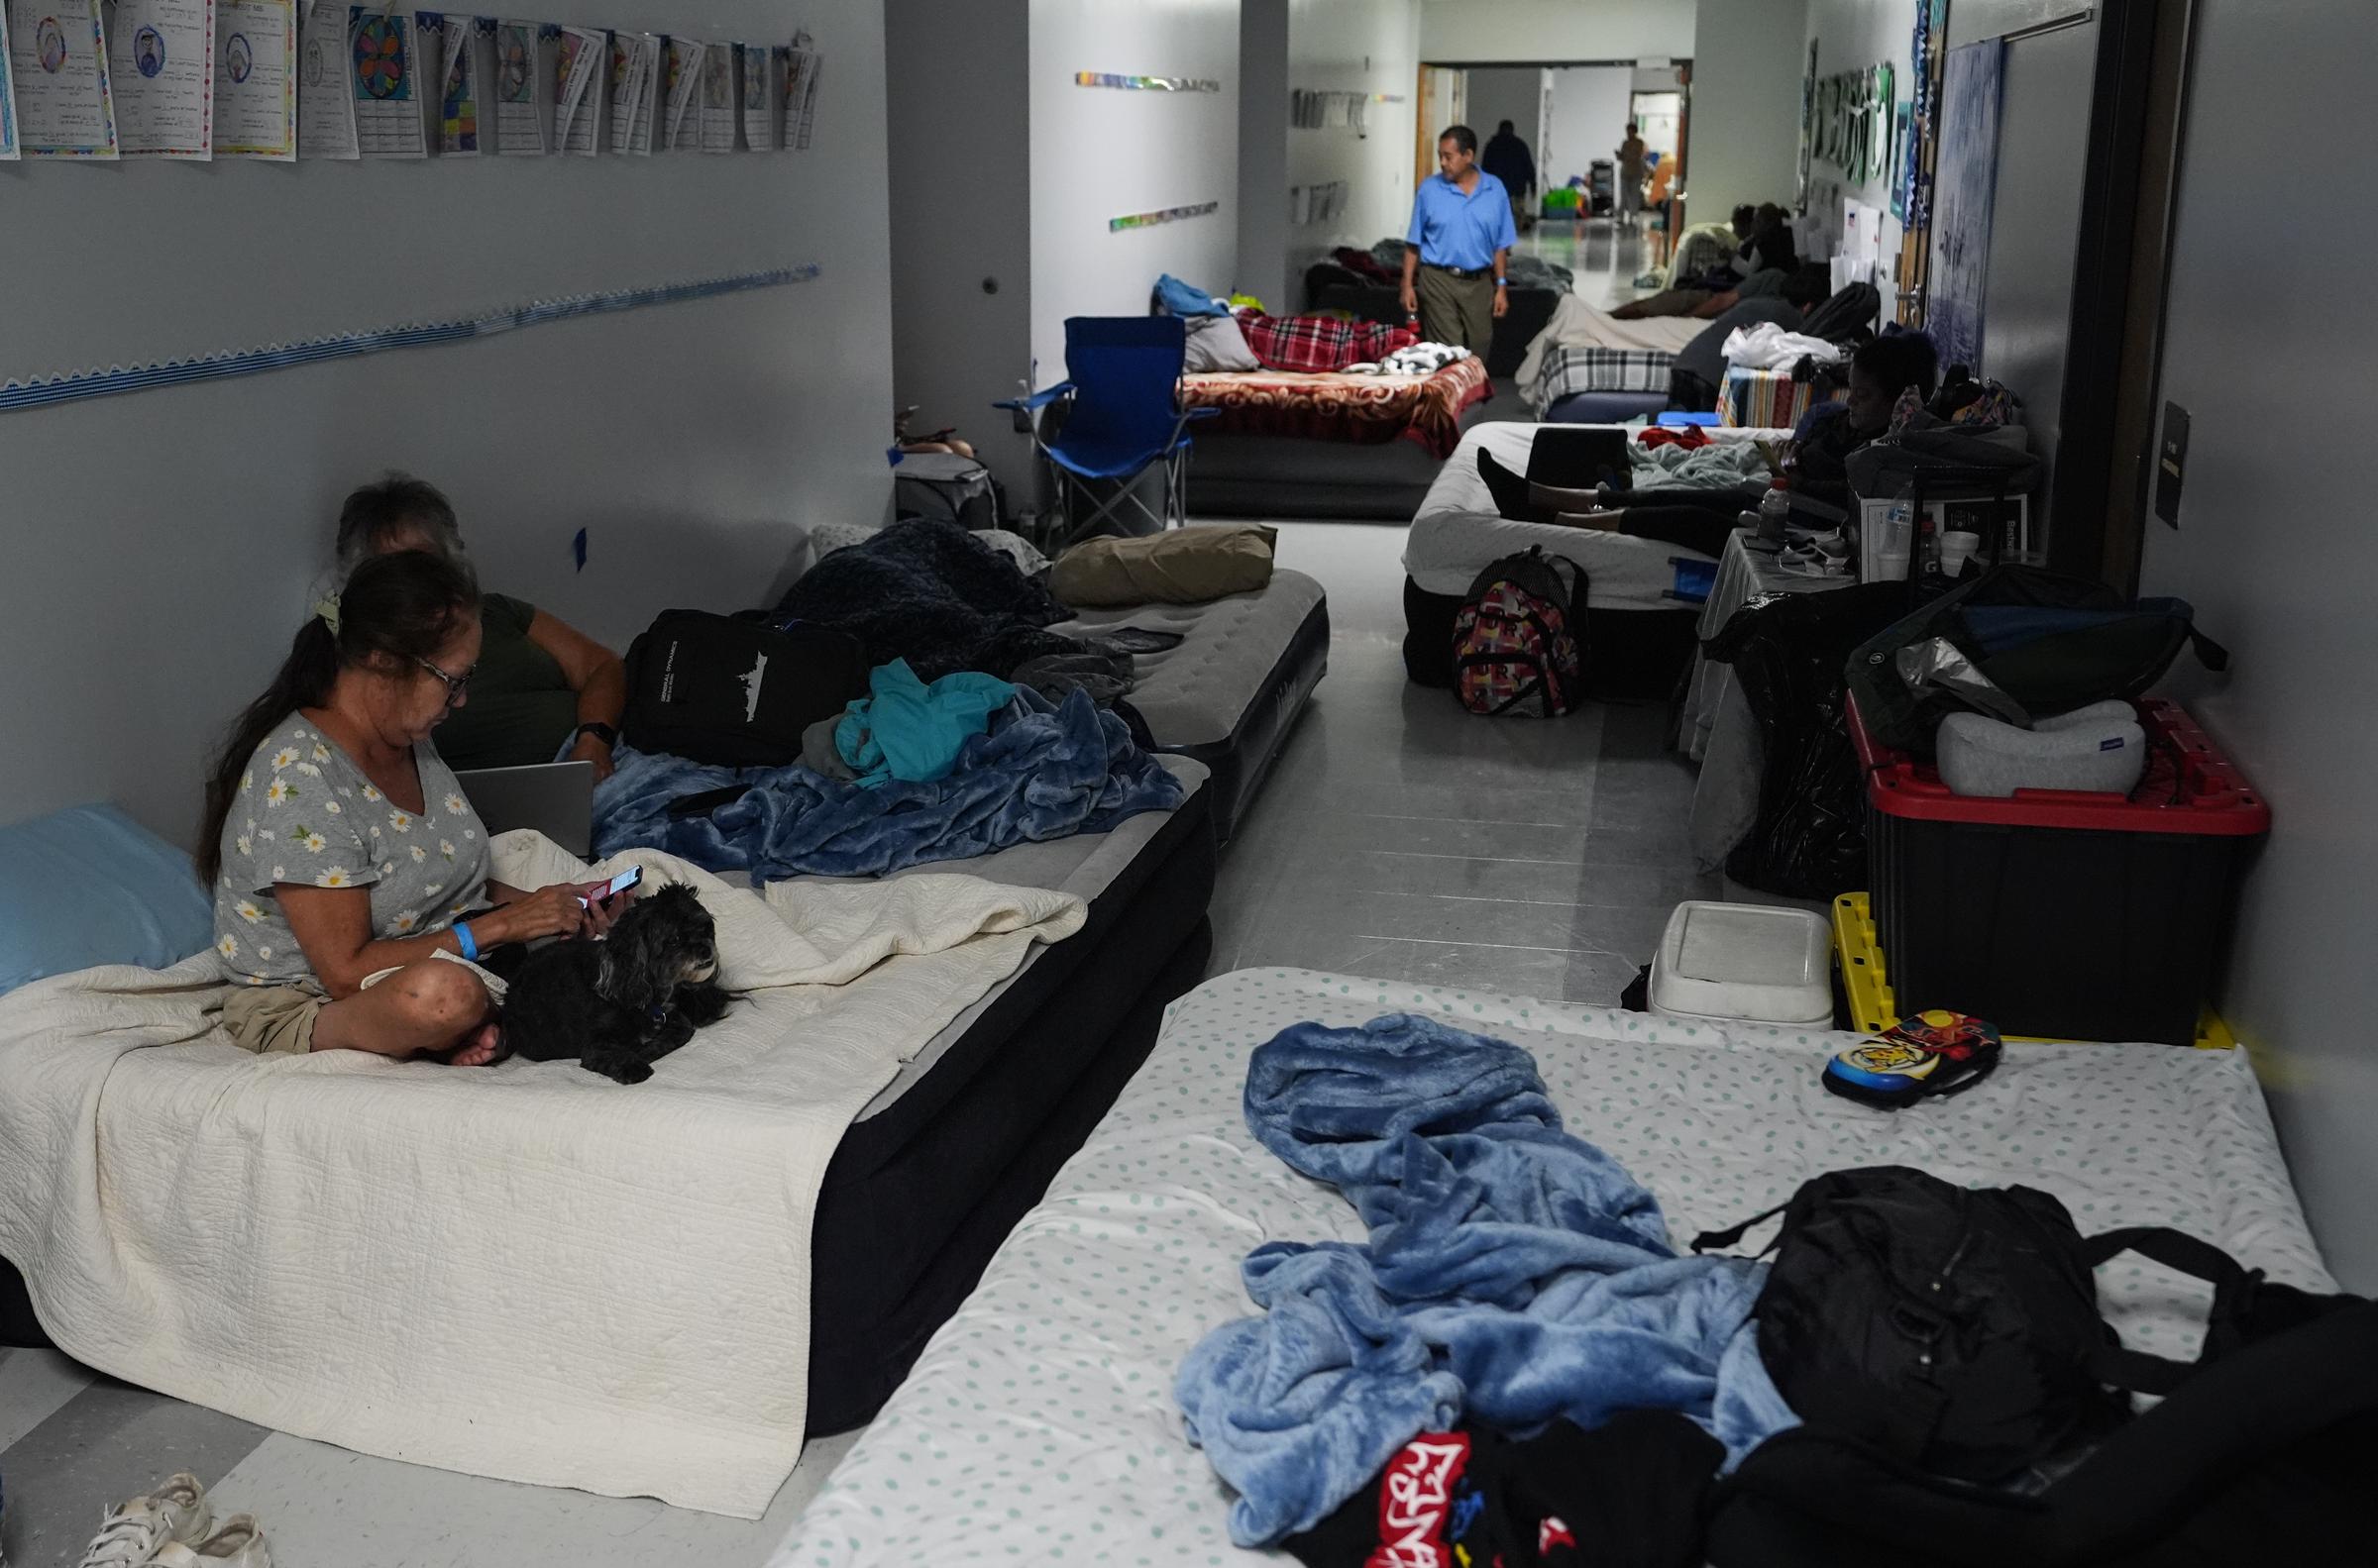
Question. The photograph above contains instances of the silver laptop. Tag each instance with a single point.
(555, 798)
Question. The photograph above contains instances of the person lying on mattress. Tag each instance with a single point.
(340, 851)
(542, 683)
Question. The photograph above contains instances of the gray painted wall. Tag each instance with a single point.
(1354, 45)
(1466, 32)
(961, 212)
(1097, 154)
(2275, 550)
(1263, 132)
(1746, 106)
(158, 547)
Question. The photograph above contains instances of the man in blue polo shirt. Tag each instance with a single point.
(1459, 250)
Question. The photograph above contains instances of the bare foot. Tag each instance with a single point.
(477, 1048)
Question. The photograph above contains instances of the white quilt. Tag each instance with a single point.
(1038, 1426)
(525, 1271)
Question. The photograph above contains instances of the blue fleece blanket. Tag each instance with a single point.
(1042, 772)
(1514, 1275)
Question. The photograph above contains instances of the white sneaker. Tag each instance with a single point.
(238, 1544)
(134, 1530)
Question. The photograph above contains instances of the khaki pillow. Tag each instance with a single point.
(1185, 565)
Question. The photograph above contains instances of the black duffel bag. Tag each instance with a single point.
(735, 692)
(2032, 644)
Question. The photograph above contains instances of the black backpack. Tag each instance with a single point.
(733, 692)
(1955, 1327)
(2260, 1452)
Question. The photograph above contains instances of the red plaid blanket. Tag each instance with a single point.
(1321, 342)
(1361, 410)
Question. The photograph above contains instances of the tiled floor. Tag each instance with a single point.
(1398, 837)
(1402, 837)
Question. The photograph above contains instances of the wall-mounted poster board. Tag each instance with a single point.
(1965, 182)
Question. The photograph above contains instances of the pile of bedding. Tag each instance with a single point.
(1584, 349)
(1513, 1274)
(932, 593)
(1042, 771)
(523, 1271)
(1354, 408)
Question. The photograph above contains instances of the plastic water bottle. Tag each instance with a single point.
(1774, 509)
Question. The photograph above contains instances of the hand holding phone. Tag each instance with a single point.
(619, 884)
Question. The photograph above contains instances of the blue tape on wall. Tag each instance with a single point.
(43, 390)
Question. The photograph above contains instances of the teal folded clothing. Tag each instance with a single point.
(911, 731)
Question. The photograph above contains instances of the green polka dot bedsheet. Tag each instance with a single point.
(1039, 1426)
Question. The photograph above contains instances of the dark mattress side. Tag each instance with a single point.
(1239, 763)
(918, 1196)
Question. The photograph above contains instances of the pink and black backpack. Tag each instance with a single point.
(1515, 638)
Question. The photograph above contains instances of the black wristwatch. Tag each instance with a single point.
(603, 732)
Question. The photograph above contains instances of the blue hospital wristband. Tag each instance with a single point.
(469, 944)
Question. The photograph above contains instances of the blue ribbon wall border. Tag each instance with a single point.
(40, 391)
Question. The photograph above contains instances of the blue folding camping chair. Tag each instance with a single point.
(1122, 416)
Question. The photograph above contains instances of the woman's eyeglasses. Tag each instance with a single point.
(457, 687)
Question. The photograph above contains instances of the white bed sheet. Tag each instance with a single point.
(1039, 1426)
(1458, 533)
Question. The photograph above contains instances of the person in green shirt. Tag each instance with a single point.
(540, 685)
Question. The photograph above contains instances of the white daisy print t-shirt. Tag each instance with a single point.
(305, 813)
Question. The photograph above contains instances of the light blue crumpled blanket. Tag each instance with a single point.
(1514, 1275)
(1043, 771)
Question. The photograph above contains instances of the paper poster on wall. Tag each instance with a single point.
(255, 79)
(631, 83)
(519, 92)
(8, 97)
(385, 64)
(455, 43)
(325, 96)
(1965, 182)
(58, 55)
(800, 65)
(759, 124)
(160, 66)
(681, 127)
(578, 60)
(1902, 158)
(719, 109)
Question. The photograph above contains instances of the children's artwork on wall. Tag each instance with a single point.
(1965, 182)
(520, 102)
(387, 93)
(162, 71)
(255, 79)
(1102, 78)
(1143, 220)
(57, 54)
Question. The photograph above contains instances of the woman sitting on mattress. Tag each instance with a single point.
(543, 685)
(350, 875)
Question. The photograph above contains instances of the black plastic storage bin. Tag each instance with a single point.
(2062, 914)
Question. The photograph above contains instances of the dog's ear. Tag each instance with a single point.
(625, 975)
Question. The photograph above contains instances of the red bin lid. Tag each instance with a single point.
(2188, 788)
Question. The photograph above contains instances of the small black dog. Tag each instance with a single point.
(621, 1004)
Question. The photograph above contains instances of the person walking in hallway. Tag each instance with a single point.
(1458, 253)
(1630, 175)
(1508, 159)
